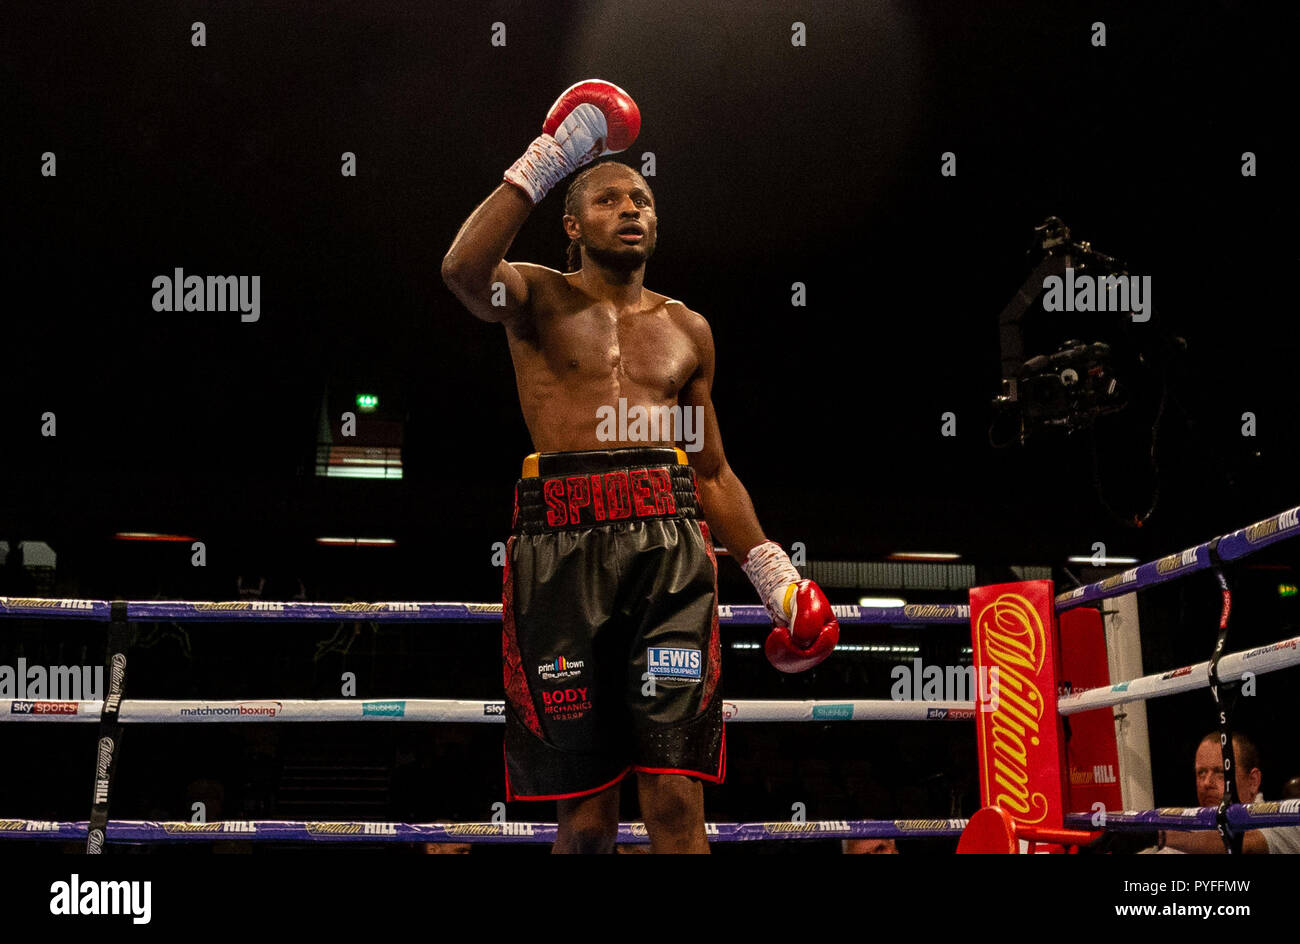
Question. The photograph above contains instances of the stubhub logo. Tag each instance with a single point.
(832, 712)
(384, 709)
(675, 663)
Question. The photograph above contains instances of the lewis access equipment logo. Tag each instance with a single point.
(675, 663)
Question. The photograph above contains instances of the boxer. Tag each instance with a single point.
(610, 643)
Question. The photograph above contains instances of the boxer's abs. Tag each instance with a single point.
(574, 424)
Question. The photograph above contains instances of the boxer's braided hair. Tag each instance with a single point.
(572, 197)
(572, 201)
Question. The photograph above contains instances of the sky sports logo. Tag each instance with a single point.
(950, 714)
(43, 708)
(675, 663)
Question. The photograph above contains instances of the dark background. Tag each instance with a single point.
(775, 165)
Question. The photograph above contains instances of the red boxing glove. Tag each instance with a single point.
(589, 120)
(612, 117)
(812, 634)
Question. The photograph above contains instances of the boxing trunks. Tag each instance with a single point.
(610, 625)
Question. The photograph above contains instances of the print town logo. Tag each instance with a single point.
(560, 668)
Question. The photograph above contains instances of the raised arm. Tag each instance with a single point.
(476, 259)
(588, 120)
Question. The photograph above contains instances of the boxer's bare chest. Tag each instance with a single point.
(587, 346)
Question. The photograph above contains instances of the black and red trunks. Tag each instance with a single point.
(610, 621)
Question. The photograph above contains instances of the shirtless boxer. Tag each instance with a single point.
(610, 641)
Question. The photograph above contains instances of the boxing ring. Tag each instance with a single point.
(116, 710)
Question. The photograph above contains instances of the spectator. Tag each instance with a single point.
(1209, 792)
(869, 847)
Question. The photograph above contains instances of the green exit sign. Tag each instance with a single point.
(367, 402)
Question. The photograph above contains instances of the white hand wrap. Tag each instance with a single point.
(770, 571)
(542, 166)
(579, 140)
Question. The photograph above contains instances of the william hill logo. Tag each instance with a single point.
(40, 603)
(242, 606)
(28, 826)
(1119, 580)
(1271, 526)
(226, 826)
(926, 825)
(490, 829)
(936, 611)
(1176, 562)
(1099, 773)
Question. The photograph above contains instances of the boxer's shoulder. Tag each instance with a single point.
(695, 325)
(549, 293)
(673, 309)
(541, 277)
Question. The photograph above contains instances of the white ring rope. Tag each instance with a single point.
(445, 711)
(1270, 658)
